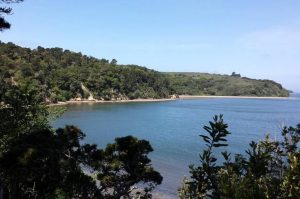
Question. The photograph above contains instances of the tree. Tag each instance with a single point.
(113, 62)
(204, 180)
(47, 164)
(37, 161)
(21, 111)
(233, 74)
(125, 165)
(44, 164)
(5, 11)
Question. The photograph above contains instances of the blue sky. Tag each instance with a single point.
(259, 39)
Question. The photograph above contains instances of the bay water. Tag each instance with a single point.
(173, 127)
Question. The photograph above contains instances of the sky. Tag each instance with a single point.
(258, 39)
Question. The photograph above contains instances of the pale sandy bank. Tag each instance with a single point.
(109, 101)
(232, 97)
(161, 100)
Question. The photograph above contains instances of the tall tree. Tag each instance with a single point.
(6, 11)
(20, 110)
(125, 165)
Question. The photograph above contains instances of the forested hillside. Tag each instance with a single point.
(223, 85)
(62, 75)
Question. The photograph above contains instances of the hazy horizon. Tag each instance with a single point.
(256, 39)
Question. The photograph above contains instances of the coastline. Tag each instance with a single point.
(109, 101)
(180, 97)
(229, 97)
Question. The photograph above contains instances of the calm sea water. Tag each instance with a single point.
(173, 127)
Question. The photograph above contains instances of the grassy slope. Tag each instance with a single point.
(214, 84)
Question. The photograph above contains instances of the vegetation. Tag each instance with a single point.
(270, 168)
(6, 11)
(37, 161)
(223, 85)
(60, 75)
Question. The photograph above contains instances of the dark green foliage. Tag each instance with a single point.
(127, 164)
(269, 169)
(223, 85)
(55, 112)
(59, 75)
(21, 112)
(6, 11)
(42, 162)
(47, 164)
(204, 181)
(39, 162)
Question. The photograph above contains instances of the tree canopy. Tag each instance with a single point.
(37, 161)
(60, 75)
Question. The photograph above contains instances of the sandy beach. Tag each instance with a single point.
(181, 97)
(232, 97)
(161, 100)
(109, 101)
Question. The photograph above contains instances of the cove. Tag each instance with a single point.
(173, 127)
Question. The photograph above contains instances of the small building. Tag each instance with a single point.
(233, 74)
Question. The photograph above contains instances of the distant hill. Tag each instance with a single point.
(223, 85)
(61, 75)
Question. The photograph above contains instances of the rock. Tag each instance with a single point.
(175, 96)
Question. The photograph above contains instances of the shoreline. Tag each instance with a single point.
(180, 97)
(108, 101)
(227, 97)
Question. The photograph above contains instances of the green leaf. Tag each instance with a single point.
(219, 145)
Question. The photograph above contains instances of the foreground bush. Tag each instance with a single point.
(37, 161)
(269, 169)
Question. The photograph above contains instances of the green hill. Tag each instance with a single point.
(223, 85)
(61, 75)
